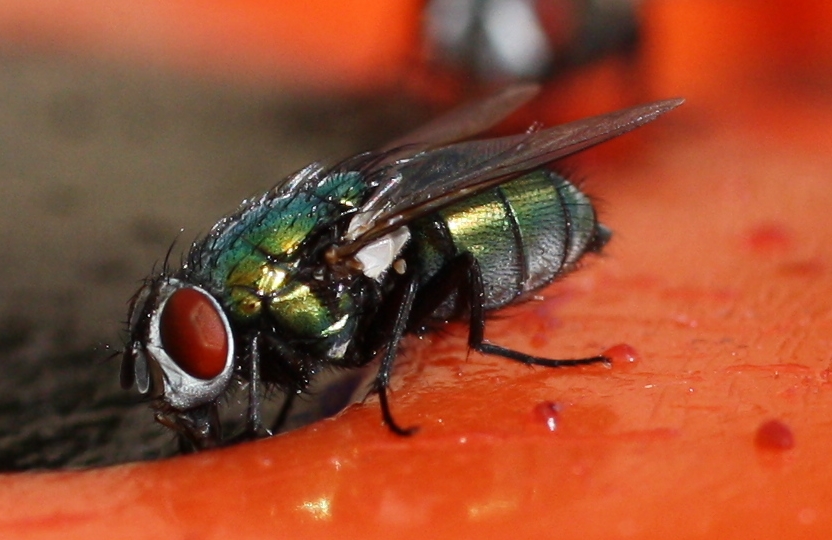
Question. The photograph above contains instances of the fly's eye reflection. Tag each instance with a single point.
(193, 334)
(467, 227)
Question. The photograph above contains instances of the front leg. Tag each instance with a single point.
(394, 338)
(197, 429)
(254, 424)
(283, 413)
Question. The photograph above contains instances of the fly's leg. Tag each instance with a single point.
(464, 276)
(198, 428)
(294, 376)
(476, 330)
(254, 424)
(283, 414)
(383, 376)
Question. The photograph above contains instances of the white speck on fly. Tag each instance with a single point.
(378, 256)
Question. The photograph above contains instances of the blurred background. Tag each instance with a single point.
(126, 125)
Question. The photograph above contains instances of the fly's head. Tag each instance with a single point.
(180, 354)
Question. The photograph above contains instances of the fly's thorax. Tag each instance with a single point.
(275, 230)
(252, 282)
(523, 234)
(322, 315)
(181, 350)
(295, 304)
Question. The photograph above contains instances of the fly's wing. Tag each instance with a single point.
(460, 123)
(417, 186)
(468, 120)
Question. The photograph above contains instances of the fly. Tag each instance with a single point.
(331, 267)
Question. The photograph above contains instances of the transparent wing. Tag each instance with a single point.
(468, 120)
(460, 123)
(426, 182)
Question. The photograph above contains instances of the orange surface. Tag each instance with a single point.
(720, 279)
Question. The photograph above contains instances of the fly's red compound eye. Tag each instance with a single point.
(194, 334)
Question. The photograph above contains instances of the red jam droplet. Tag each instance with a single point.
(621, 354)
(769, 238)
(193, 334)
(547, 412)
(774, 435)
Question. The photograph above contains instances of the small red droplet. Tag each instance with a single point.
(193, 334)
(622, 354)
(774, 435)
(768, 238)
(802, 269)
(547, 412)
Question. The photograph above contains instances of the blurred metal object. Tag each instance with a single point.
(526, 39)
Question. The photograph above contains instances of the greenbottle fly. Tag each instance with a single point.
(331, 267)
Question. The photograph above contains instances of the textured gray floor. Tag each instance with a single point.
(100, 168)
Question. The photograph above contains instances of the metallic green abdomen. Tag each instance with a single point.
(523, 234)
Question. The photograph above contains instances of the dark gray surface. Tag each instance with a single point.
(100, 168)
